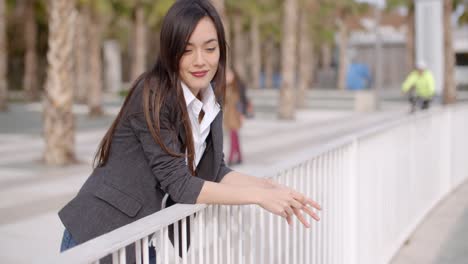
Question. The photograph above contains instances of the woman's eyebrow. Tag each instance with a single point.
(209, 41)
(204, 43)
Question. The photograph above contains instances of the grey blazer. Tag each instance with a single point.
(139, 173)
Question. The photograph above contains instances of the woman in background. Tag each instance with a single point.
(233, 115)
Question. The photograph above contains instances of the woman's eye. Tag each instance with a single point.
(187, 51)
(211, 49)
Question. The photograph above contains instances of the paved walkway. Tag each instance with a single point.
(442, 238)
(31, 193)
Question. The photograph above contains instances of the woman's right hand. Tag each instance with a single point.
(286, 202)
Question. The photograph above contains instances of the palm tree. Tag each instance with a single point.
(270, 36)
(221, 8)
(81, 59)
(96, 83)
(343, 51)
(140, 31)
(410, 49)
(3, 58)
(288, 58)
(99, 16)
(258, 15)
(410, 34)
(449, 90)
(144, 14)
(268, 63)
(306, 49)
(326, 55)
(239, 49)
(324, 29)
(58, 117)
(255, 61)
(30, 80)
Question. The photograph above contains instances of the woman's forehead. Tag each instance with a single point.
(204, 33)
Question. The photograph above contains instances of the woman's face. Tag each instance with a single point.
(199, 64)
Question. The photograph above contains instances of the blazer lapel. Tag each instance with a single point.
(216, 130)
(211, 157)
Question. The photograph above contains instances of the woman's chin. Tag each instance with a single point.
(198, 85)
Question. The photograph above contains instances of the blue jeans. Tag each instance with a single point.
(69, 242)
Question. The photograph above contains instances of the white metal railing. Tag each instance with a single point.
(375, 187)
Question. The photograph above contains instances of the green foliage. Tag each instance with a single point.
(10, 4)
(101, 9)
(157, 10)
(268, 13)
(392, 4)
(463, 19)
(324, 16)
(154, 10)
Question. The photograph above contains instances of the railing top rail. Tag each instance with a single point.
(126, 235)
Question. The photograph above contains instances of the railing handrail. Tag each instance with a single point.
(102, 246)
(126, 235)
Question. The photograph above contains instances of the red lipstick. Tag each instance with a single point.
(199, 74)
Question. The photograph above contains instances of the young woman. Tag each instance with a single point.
(167, 139)
(233, 116)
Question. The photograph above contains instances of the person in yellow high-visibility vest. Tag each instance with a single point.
(420, 86)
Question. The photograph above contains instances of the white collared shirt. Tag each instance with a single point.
(201, 130)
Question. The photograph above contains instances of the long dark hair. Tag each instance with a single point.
(164, 80)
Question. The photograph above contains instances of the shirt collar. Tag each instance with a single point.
(208, 98)
(208, 104)
(188, 95)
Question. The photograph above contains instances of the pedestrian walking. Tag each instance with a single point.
(234, 114)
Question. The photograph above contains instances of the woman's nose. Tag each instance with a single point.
(199, 59)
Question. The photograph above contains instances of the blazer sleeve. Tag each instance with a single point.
(171, 172)
(223, 170)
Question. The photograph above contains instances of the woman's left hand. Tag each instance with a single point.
(304, 200)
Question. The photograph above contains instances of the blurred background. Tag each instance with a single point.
(313, 70)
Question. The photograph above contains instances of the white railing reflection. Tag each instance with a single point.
(375, 187)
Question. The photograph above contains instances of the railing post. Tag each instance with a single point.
(446, 153)
(352, 211)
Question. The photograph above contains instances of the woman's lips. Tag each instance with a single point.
(199, 74)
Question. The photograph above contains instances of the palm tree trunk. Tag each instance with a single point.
(140, 52)
(255, 59)
(30, 80)
(343, 63)
(112, 66)
(410, 52)
(220, 7)
(81, 42)
(269, 63)
(239, 50)
(3, 58)
(326, 56)
(58, 117)
(449, 55)
(287, 100)
(96, 84)
(305, 59)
